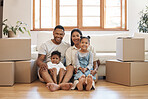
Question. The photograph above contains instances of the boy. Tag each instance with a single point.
(55, 65)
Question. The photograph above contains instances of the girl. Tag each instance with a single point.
(84, 64)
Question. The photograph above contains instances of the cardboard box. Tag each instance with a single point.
(15, 49)
(6, 73)
(130, 49)
(25, 71)
(127, 73)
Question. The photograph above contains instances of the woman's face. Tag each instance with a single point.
(76, 37)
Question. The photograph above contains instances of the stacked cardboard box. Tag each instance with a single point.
(130, 68)
(6, 73)
(15, 61)
(25, 71)
(130, 49)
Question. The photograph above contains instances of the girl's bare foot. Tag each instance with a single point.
(89, 82)
(52, 86)
(81, 82)
(65, 86)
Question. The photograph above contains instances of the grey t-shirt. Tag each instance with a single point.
(48, 47)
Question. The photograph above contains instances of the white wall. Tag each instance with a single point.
(21, 10)
(1, 15)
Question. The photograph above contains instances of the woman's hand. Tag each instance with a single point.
(93, 72)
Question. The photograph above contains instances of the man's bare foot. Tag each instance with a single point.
(89, 82)
(52, 86)
(65, 86)
(81, 82)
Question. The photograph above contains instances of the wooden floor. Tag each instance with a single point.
(104, 90)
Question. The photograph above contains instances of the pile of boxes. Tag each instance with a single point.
(16, 65)
(130, 68)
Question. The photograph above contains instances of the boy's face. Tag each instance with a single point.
(84, 44)
(55, 59)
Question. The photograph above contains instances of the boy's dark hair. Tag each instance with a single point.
(59, 27)
(84, 37)
(75, 30)
(56, 53)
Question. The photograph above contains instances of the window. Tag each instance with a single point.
(82, 14)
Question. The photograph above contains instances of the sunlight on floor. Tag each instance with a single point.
(33, 93)
(104, 90)
(105, 93)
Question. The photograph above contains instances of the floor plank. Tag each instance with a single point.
(104, 90)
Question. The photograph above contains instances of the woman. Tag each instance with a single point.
(75, 46)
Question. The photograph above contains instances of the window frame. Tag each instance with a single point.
(79, 18)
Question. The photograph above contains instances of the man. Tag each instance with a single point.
(45, 55)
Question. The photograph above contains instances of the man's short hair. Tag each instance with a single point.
(59, 27)
(56, 53)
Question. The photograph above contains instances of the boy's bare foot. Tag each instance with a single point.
(65, 86)
(52, 86)
(89, 82)
(81, 82)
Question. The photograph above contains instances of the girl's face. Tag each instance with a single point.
(55, 59)
(84, 44)
(76, 37)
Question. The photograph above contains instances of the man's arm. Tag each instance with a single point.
(40, 62)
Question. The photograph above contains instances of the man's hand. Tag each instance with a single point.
(43, 66)
(51, 71)
(40, 62)
(93, 72)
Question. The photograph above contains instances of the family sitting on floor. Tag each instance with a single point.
(65, 67)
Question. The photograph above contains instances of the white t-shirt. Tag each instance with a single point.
(48, 47)
(57, 66)
(71, 52)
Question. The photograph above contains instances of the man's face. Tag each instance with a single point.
(58, 35)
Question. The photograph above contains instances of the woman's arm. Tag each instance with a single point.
(68, 56)
(96, 61)
(95, 67)
(96, 64)
(77, 61)
(91, 49)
